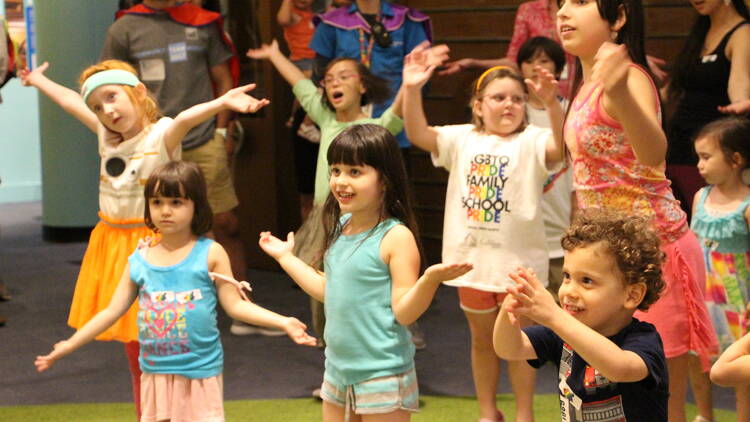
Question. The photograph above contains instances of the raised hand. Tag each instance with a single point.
(238, 100)
(296, 330)
(31, 78)
(530, 297)
(265, 51)
(43, 363)
(439, 273)
(275, 247)
(415, 73)
(545, 86)
(428, 55)
(610, 67)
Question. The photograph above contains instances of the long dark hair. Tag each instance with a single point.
(376, 88)
(688, 57)
(374, 146)
(631, 34)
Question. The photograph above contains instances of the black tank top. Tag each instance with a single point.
(706, 89)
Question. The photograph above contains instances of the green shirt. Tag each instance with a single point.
(310, 99)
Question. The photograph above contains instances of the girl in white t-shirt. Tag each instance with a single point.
(498, 165)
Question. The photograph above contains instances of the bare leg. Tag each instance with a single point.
(678, 379)
(743, 403)
(333, 413)
(485, 365)
(523, 380)
(397, 416)
(701, 385)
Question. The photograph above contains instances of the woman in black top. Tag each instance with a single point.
(712, 70)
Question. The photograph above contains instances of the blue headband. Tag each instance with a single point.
(107, 77)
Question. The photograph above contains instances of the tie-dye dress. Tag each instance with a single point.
(725, 241)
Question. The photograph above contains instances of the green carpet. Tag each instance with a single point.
(434, 409)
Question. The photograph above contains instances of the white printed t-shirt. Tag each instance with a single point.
(493, 215)
(125, 166)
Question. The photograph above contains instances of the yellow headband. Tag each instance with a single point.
(486, 72)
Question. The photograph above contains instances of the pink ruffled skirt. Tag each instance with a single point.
(181, 399)
(680, 314)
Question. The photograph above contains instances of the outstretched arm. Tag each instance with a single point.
(411, 296)
(286, 68)
(509, 341)
(247, 311)
(66, 98)
(546, 90)
(123, 297)
(285, 16)
(535, 302)
(629, 97)
(235, 99)
(733, 367)
(415, 75)
(311, 281)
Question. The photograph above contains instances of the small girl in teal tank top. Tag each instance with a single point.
(371, 287)
(720, 221)
(178, 281)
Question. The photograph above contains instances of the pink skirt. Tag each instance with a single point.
(680, 314)
(180, 399)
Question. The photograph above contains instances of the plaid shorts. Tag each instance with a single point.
(378, 395)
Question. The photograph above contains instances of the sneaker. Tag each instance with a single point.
(417, 336)
(316, 394)
(239, 328)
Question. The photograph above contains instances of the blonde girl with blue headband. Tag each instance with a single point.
(497, 167)
(133, 139)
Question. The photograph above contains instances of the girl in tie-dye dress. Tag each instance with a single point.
(720, 220)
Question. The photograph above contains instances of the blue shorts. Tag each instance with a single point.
(378, 395)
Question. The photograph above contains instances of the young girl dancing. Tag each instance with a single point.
(617, 146)
(133, 140)
(371, 287)
(720, 220)
(493, 218)
(178, 281)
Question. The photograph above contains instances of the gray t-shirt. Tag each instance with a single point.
(172, 60)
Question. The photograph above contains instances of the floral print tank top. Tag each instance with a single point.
(608, 175)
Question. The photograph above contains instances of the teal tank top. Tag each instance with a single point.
(177, 315)
(725, 233)
(363, 338)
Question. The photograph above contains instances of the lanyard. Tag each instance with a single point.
(365, 53)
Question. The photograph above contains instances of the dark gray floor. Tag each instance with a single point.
(42, 275)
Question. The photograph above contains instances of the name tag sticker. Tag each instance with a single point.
(191, 33)
(177, 52)
(152, 70)
(709, 59)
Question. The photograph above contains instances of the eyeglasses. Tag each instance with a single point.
(341, 77)
(500, 98)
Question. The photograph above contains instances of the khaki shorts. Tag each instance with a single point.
(211, 157)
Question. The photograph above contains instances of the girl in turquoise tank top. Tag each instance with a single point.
(371, 287)
(720, 221)
(178, 280)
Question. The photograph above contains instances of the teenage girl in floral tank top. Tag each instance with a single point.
(617, 145)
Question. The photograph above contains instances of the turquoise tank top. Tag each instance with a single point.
(725, 233)
(177, 315)
(363, 338)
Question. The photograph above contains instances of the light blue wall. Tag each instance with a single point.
(20, 166)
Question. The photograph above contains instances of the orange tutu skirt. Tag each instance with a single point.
(110, 245)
